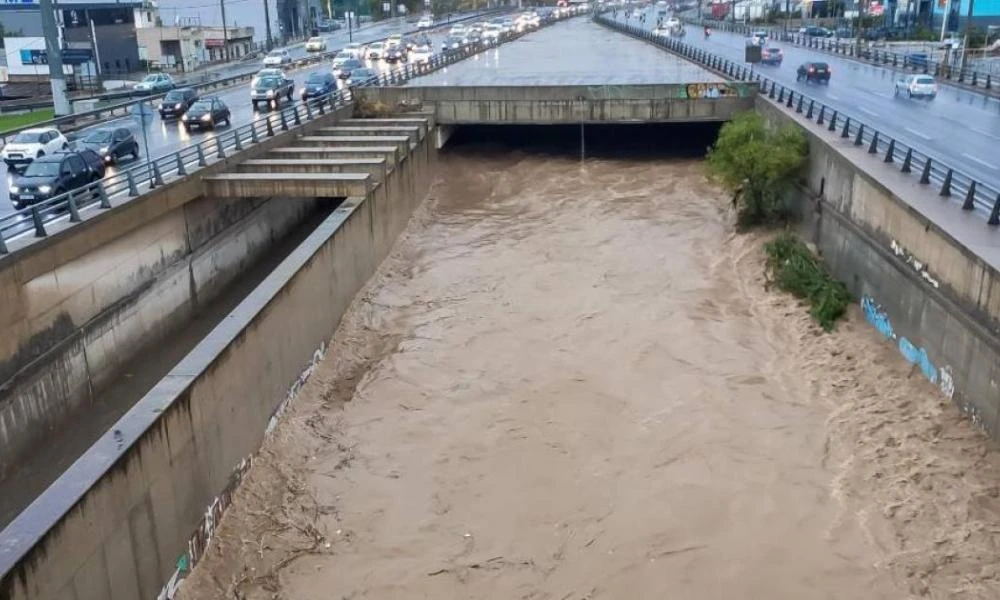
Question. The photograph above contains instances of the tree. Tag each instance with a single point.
(759, 164)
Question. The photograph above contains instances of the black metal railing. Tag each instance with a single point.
(38, 219)
(930, 170)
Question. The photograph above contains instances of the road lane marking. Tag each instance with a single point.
(984, 132)
(834, 98)
(865, 110)
(982, 162)
(918, 134)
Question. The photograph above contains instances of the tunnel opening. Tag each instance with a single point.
(40, 467)
(633, 141)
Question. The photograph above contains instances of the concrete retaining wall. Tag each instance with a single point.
(924, 290)
(128, 295)
(549, 105)
(134, 513)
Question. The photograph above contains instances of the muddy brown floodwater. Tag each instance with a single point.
(570, 382)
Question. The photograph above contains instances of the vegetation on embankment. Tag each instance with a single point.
(18, 120)
(760, 164)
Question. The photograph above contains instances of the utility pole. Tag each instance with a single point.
(267, 26)
(53, 53)
(968, 34)
(225, 31)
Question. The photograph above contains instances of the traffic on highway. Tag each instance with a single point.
(958, 126)
(156, 127)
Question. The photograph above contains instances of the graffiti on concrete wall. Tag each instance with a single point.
(722, 89)
(198, 542)
(918, 356)
(917, 265)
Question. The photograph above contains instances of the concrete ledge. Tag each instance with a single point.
(389, 153)
(402, 142)
(376, 167)
(413, 131)
(425, 122)
(298, 185)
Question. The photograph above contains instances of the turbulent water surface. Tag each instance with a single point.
(569, 381)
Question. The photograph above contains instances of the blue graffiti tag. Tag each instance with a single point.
(918, 356)
(876, 315)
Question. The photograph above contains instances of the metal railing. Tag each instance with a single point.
(908, 61)
(133, 98)
(37, 220)
(931, 170)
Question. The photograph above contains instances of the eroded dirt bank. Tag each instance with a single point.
(571, 383)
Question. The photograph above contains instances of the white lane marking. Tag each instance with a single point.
(834, 98)
(980, 161)
(870, 112)
(919, 134)
(986, 133)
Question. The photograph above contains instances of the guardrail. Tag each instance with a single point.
(77, 119)
(955, 75)
(931, 170)
(129, 183)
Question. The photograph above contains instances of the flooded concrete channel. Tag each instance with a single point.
(39, 469)
(569, 381)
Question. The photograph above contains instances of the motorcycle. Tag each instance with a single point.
(708, 33)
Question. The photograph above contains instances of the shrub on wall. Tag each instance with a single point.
(794, 267)
(759, 164)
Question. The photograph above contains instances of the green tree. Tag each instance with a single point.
(759, 164)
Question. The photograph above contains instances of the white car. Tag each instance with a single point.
(393, 40)
(356, 50)
(672, 23)
(375, 50)
(492, 31)
(30, 144)
(316, 44)
(425, 22)
(421, 54)
(917, 86)
(277, 58)
(154, 83)
(458, 30)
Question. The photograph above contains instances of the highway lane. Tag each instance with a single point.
(958, 127)
(163, 137)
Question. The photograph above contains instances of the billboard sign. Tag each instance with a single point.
(70, 56)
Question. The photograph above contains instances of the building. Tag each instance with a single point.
(106, 28)
(184, 48)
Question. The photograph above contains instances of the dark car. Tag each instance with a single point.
(271, 89)
(206, 114)
(111, 144)
(417, 40)
(318, 85)
(395, 54)
(771, 56)
(363, 76)
(176, 102)
(814, 31)
(343, 71)
(55, 174)
(452, 44)
(813, 72)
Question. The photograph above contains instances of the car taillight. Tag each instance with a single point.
(812, 70)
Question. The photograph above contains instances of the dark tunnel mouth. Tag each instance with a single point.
(592, 140)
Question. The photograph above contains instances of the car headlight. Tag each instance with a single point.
(104, 150)
(206, 118)
(303, 91)
(178, 106)
(185, 117)
(14, 189)
(270, 93)
(45, 189)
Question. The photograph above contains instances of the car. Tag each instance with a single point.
(458, 30)
(417, 40)
(176, 102)
(31, 144)
(421, 54)
(816, 31)
(771, 55)
(394, 40)
(154, 83)
(492, 32)
(396, 54)
(111, 144)
(363, 76)
(672, 23)
(813, 72)
(661, 31)
(277, 58)
(917, 86)
(354, 49)
(343, 70)
(474, 38)
(267, 73)
(206, 113)
(757, 38)
(318, 85)
(271, 90)
(452, 44)
(425, 22)
(316, 44)
(55, 174)
(375, 50)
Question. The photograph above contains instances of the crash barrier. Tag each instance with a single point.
(931, 170)
(36, 220)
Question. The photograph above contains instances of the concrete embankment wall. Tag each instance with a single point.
(77, 304)
(137, 510)
(139, 288)
(927, 293)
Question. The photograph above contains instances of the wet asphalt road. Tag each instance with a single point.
(959, 127)
(164, 136)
